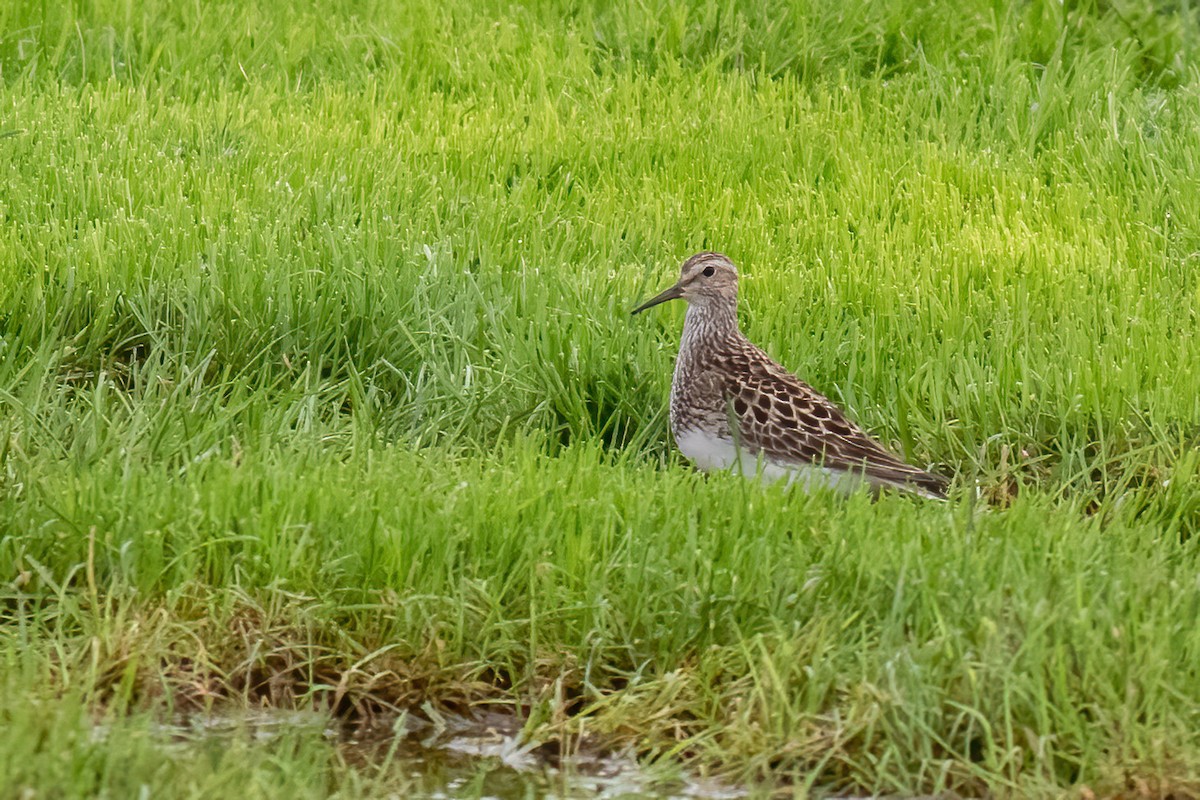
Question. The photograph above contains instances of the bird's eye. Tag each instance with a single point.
(708, 272)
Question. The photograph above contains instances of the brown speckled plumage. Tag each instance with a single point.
(728, 391)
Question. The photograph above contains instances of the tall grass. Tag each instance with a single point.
(313, 328)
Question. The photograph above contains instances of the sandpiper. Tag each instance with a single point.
(732, 406)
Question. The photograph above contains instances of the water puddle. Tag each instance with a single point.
(445, 757)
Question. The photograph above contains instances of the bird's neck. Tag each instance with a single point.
(710, 322)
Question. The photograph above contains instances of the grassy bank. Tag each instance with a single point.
(318, 386)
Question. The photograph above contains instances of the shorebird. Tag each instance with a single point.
(733, 407)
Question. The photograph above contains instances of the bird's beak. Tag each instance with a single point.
(673, 293)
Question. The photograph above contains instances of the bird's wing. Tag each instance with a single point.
(787, 420)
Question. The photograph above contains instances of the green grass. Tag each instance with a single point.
(318, 386)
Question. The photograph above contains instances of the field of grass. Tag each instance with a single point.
(318, 387)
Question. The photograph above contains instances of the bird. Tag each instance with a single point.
(734, 407)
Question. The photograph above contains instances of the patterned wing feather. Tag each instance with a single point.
(787, 420)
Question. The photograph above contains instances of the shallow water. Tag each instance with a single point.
(456, 758)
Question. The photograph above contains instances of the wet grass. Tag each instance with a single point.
(318, 387)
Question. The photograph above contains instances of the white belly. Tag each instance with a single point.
(712, 453)
(706, 451)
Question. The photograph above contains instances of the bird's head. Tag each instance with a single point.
(705, 279)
